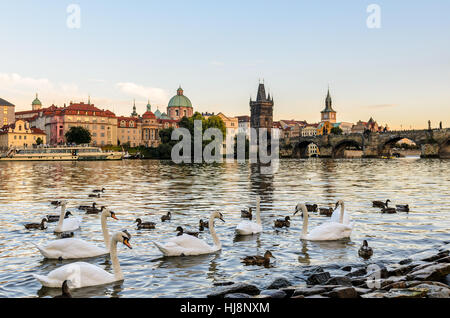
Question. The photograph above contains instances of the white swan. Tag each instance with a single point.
(336, 216)
(248, 227)
(188, 245)
(82, 274)
(66, 225)
(328, 231)
(71, 248)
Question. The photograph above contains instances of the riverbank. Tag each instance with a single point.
(422, 275)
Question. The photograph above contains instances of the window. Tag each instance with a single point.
(176, 112)
(102, 135)
(102, 127)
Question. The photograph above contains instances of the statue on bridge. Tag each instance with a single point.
(429, 124)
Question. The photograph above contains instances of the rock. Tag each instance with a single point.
(402, 270)
(429, 255)
(319, 278)
(342, 292)
(317, 296)
(406, 293)
(235, 289)
(377, 294)
(237, 295)
(313, 270)
(299, 296)
(362, 291)
(223, 283)
(279, 283)
(434, 291)
(359, 282)
(405, 261)
(446, 280)
(340, 280)
(308, 291)
(357, 273)
(274, 293)
(445, 259)
(346, 268)
(434, 272)
(291, 289)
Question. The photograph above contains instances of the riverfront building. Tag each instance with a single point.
(6, 113)
(21, 135)
(179, 106)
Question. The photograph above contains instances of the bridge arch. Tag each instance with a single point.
(386, 146)
(339, 149)
(301, 149)
(444, 149)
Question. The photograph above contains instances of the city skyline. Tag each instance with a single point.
(395, 74)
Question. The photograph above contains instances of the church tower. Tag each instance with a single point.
(261, 110)
(36, 104)
(134, 113)
(328, 114)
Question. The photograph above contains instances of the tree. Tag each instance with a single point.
(78, 135)
(39, 141)
(336, 131)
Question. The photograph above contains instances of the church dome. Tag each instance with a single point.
(36, 101)
(148, 115)
(179, 100)
(158, 113)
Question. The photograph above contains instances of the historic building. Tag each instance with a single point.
(371, 125)
(7, 115)
(21, 135)
(328, 114)
(179, 106)
(150, 130)
(129, 131)
(309, 130)
(261, 110)
(244, 125)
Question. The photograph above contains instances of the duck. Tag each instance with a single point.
(57, 203)
(326, 211)
(66, 225)
(66, 235)
(380, 204)
(365, 251)
(181, 232)
(95, 210)
(99, 190)
(166, 217)
(82, 274)
(144, 225)
(188, 245)
(311, 207)
(37, 226)
(247, 213)
(327, 231)
(85, 207)
(249, 227)
(65, 290)
(74, 248)
(94, 195)
(55, 218)
(203, 225)
(258, 260)
(281, 223)
(402, 208)
(388, 210)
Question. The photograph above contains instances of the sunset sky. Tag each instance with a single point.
(218, 51)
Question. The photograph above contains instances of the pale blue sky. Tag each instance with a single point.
(218, 50)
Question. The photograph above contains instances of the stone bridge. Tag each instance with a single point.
(433, 143)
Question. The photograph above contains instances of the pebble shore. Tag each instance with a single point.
(422, 275)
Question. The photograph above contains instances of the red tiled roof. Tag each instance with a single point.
(148, 115)
(127, 121)
(37, 131)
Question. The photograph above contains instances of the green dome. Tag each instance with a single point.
(180, 100)
(157, 113)
(36, 101)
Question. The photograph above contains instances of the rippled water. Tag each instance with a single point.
(149, 189)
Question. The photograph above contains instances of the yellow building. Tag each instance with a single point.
(7, 116)
(129, 131)
(20, 135)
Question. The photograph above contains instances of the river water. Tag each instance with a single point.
(148, 189)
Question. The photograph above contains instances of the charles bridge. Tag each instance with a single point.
(433, 143)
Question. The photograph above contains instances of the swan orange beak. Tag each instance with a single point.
(113, 215)
(127, 243)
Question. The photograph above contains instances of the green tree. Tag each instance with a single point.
(336, 131)
(39, 141)
(78, 135)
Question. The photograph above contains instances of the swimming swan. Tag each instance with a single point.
(188, 245)
(72, 248)
(82, 274)
(66, 225)
(336, 216)
(250, 227)
(327, 231)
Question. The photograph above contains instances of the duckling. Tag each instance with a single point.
(402, 208)
(65, 290)
(326, 211)
(365, 251)
(94, 195)
(99, 190)
(95, 210)
(181, 232)
(311, 207)
(203, 225)
(380, 204)
(55, 218)
(281, 223)
(57, 203)
(144, 225)
(247, 214)
(166, 217)
(85, 207)
(37, 226)
(258, 260)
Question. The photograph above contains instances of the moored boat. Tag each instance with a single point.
(65, 153)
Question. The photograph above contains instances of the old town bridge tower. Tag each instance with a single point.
(261, 110)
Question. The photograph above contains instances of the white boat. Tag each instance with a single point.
(64, 153)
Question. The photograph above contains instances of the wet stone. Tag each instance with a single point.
(433, 272)
(342, 292)
(357, 273)
(346, 268)
(308, 291)
(223, 283)
(235, 289)
(319, 278)
(272, 293)
(237, 295)
(435, 291)
(279, 283)
(341, 280)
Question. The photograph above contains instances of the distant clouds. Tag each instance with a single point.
(156, 95)
(217, 63)
(380, 106)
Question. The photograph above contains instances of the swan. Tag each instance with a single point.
(187, 245)
(249, 227)
(65, 290)
(336, 216)
(327, 231)
(66, 225)
(82, 274)
(72, 248)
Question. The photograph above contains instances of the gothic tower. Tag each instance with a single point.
(134, 113)
(261, 110)
(328, 114)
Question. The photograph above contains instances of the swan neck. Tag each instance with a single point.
(258, 212)
(212, 230)
(115, 260)
(305, 222)
(61, 217)
(105, 231)
(341, 217)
